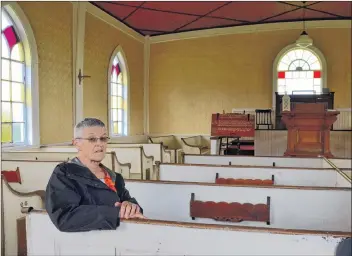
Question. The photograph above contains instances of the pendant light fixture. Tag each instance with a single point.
(304, 40)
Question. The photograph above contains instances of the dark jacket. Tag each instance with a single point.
(344, 248)
(76, 200)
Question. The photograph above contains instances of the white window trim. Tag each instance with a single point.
(126, 81)
(146, 84)
(78, 33)
(32, 82)
(288, 48)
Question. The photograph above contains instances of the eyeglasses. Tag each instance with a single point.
(95, 140)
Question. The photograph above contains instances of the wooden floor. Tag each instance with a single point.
(274, 143)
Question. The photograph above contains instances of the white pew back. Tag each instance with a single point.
(309, 208)
(181, 239)
(34, 174)
(266, 161)
(195, 145)
(109, 161)
(172, 146)
(170, 141)
(130, 139)
(282, 175)
(156, 150)
(140, 163)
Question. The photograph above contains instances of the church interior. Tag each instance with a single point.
(230, 122)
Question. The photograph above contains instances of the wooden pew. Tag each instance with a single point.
(265, 161)
(34, 174)
(170, 144)
(109, 161)
(140, 162)
(130, 139)
(255, 175)
(290, 207)
(287, 202)
(181, 239)
(15, 204)
(157, 150)
(195, 145)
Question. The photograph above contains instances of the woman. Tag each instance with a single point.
(83, 194)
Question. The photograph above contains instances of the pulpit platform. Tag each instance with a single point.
(274, 143)
(309, 127)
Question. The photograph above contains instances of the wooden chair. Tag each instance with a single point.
(263, 117)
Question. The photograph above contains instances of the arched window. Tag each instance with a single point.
(118, 94)
(19, 121)
(299, 71)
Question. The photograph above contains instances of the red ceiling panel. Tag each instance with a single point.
(252, 11)
(118, 11)
(300, 3)
(130, 3)
(158, 21)
(158, 17)
(338, 7)
(209, 23)
(185, 7)
(298, 14)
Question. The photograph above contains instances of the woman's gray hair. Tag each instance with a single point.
(86, 122)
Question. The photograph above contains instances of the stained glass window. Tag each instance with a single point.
(118, 98)
(13, 99)
(299, 71)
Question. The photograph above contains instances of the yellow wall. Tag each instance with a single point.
(191, 79)
(101, 40)
(52, 27)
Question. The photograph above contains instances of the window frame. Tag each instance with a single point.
(126, 81)
(25, 32)
(282, 53)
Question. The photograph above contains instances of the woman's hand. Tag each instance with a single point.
(138, 216)
(129, 210)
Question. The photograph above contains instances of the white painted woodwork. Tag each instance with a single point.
(170, 141)
(195, 145)
(130, 139)
(286, 203)
(282, 176)
(34, 175)
(266, 161)
(79, 18)
(146, 60)
(151, 149)
(291, 208)
(133, 155)
(164, 238)
(214, 146)
(108, 161)
(12, 211)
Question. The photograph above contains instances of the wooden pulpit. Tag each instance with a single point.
(308, 126)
